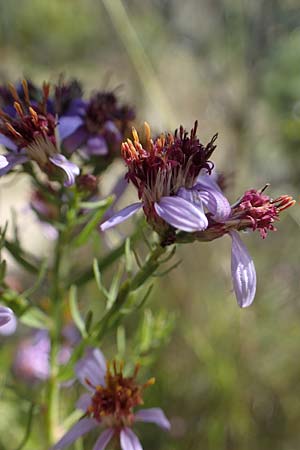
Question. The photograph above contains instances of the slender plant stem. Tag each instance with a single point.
(146, 271)
(53, 385)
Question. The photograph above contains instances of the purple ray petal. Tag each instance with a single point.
(104, 439)
(70, 169)
(216, 203)
(13, 160)
(181, 214)
(242, 272)
(96, 145)
(67, 125)
(3, 162)
(83, 402)
(80, 428)
(120, 216)
(8, 321)
(206, 181)
(154, 415)
(91, 367)
(75, 140)
(8, 143)
(129, 441)
(190, 195)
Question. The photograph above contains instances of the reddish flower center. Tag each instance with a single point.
(114, 402)
(31, 121)
(159, 168)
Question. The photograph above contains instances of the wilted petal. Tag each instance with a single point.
(80, 428)
(120, 216)
(181, 214)
(8, 143)
(8, 321)
(242, 272)
(70, 169)
(129, 441)
(153, 415)
(104, 439)
(67, 125)
(91, 367)
(3, 162)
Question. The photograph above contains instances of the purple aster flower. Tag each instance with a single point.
(97, 126)
(173, 176)
(110, 404)
(32, 358)
(8, 321)
(29, 134)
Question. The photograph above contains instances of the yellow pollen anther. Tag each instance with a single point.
(19, 109)
(135, 136)
(26, 91)
(13, 92)
(150, 382)
(12, 130)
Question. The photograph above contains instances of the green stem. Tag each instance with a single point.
(147, 270)
(53, 384)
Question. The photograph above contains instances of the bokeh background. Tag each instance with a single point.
(229, 379)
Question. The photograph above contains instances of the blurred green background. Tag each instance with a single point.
(228, 378)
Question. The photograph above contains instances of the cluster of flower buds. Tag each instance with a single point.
(183, 202)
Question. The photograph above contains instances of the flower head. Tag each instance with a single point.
(30, 134)
(97, 126)
(173, 177)
(111, 403)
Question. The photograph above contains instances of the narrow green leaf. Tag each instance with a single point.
(76, 316)
(100, 204)
(98, 279)
(121, 340)
(35, 318)
(114, 287)
(91, 225)
(128, 256)
(39, 280)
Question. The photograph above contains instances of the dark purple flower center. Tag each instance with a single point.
(31, 121)
(104, 107)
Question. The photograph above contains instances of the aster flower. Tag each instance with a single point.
(97, 126)
(8, 321)
(173, 177)
(110, 404)
(32, 359)
(30, 134)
